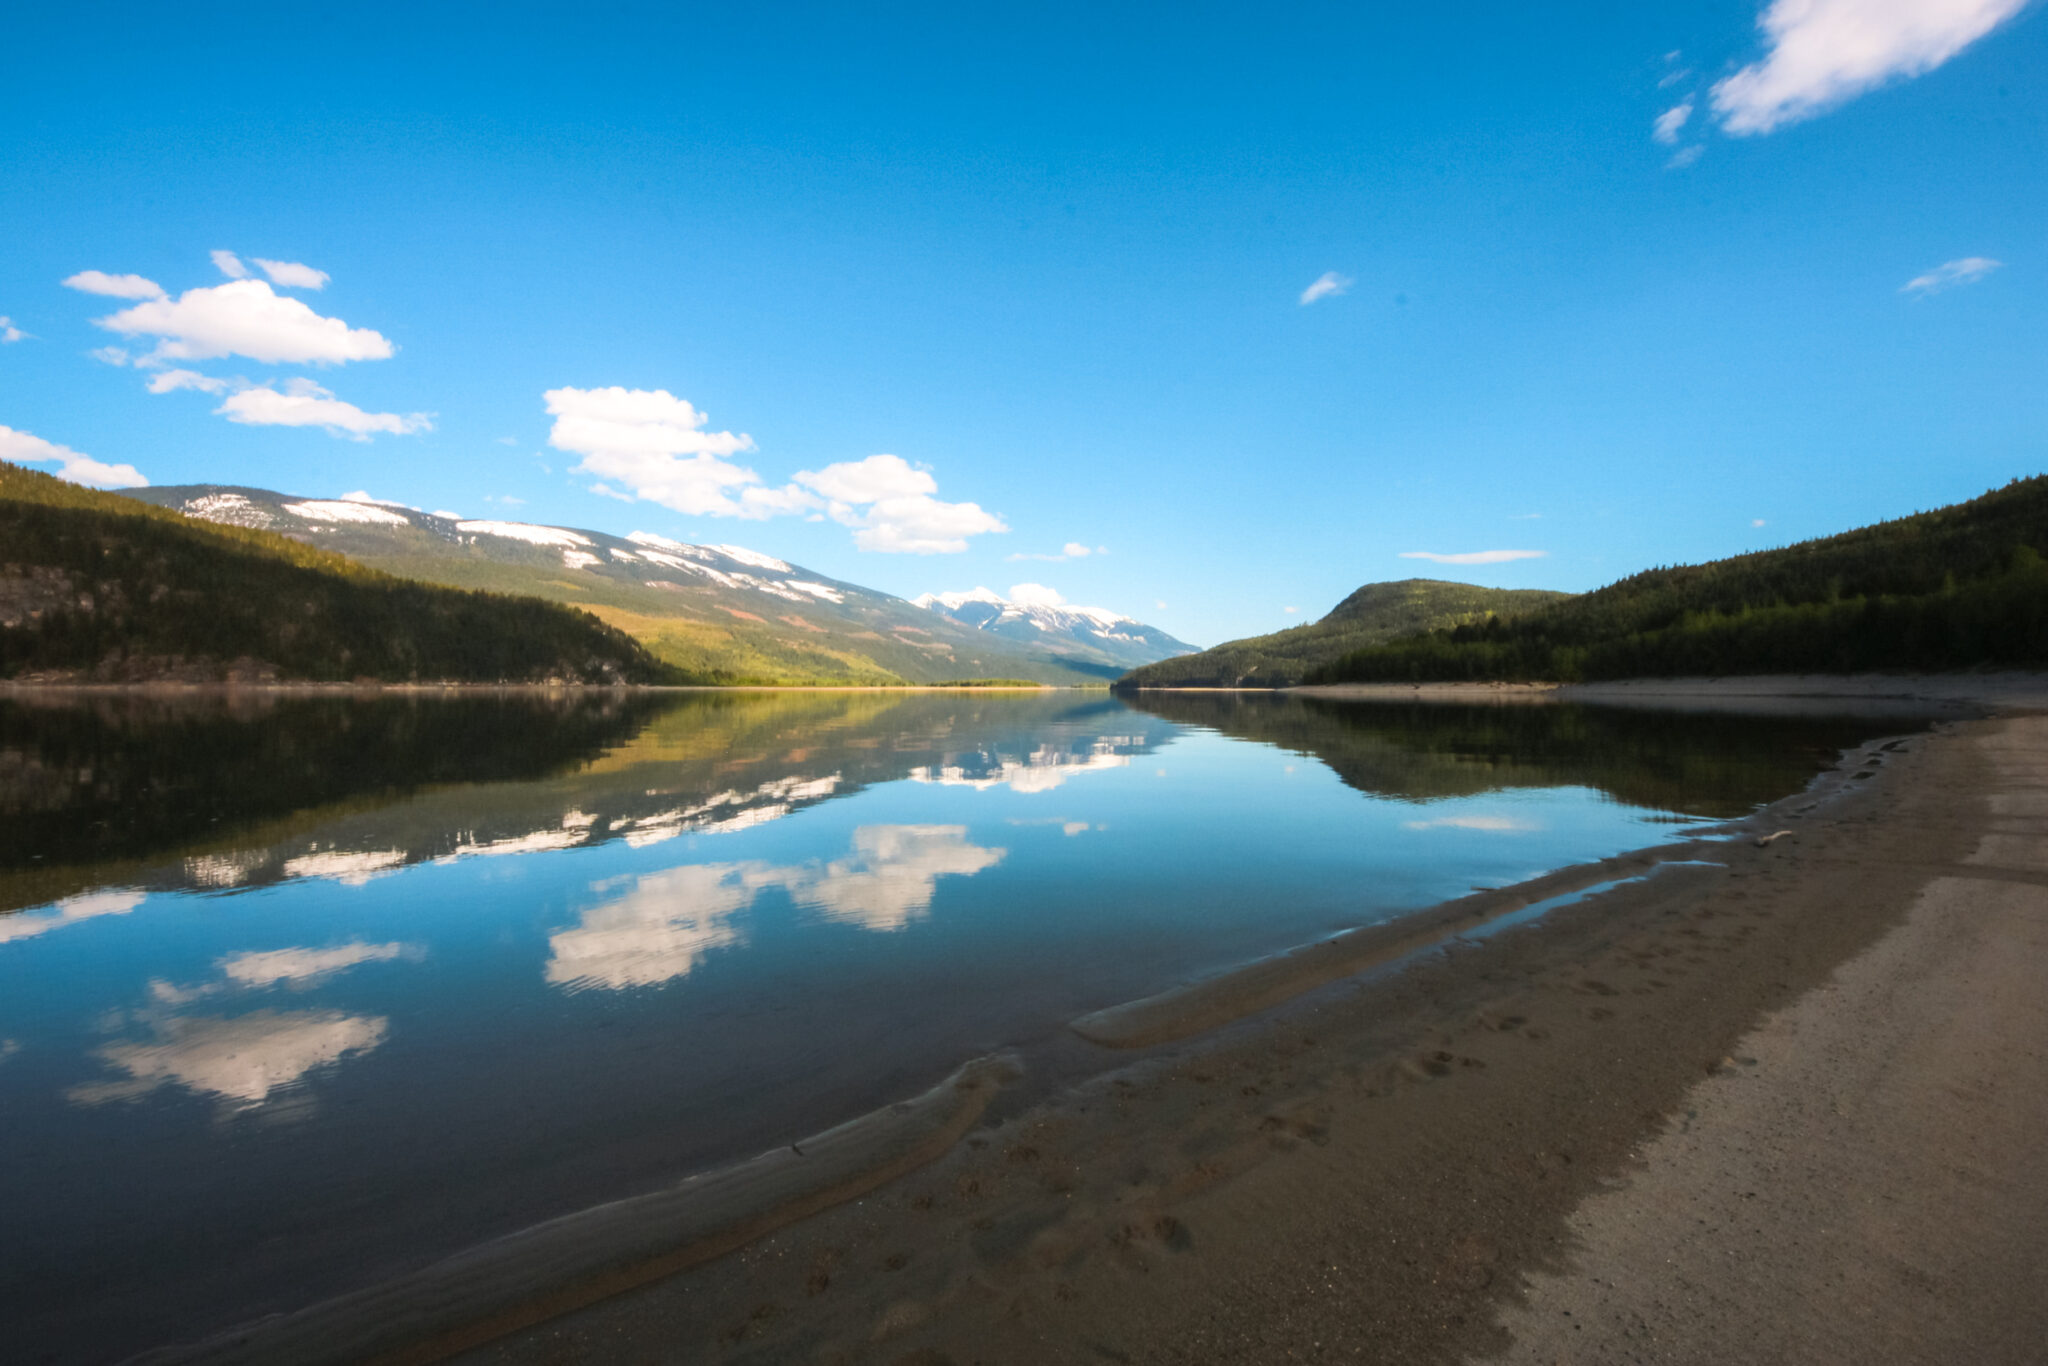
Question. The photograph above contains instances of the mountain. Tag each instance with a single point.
(721, 613)
(1087, 637)
(1375, 613)
(1957, 587)
(96, 587)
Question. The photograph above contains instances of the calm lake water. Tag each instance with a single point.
(296, 994)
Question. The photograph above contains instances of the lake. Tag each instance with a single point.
(301, 992)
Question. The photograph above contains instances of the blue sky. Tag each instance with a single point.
(1053, 262)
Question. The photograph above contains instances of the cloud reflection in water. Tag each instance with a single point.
(659, 930)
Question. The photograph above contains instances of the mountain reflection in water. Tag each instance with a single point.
(300, 992)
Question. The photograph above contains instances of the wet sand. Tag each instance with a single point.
(1765, 1102)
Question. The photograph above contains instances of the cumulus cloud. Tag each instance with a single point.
(230, 265)
(1824, 53)
(244, 318)
(1072, 550)
(115, 286)
(1036, 595)
(1965, 271)
(293, 275)
(1474, 556)
(302, 403)
(659, 448)
(9, 333)
(165, 381)
(26, 448)
(1671, 122)
(890, 506)
(1327, 285)
(1685, 156)
(656, 445)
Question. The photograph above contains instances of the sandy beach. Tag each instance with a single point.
(1753, 1096)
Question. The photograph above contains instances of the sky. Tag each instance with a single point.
(1205, 313)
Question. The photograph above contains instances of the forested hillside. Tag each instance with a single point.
(1376, 612)
(1957, 587)
(721, 614)
(98, 587)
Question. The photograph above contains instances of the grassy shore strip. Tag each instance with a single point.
(567, 1263)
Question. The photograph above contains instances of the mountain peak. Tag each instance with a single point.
(1041, 616)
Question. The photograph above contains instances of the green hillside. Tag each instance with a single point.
(1375, 613)
(98, 587)
(719, 614)
(1958, 587)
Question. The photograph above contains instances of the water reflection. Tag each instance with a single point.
(665, 923)
(497, 959)
(1702, 764)
(349, 791)
(241, 1059)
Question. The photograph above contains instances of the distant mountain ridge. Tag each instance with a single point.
(98, 587)
(1962, 586)
(1094, 635)
(1374, 613)
(723, 614)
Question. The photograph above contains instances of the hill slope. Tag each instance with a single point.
(723, 613)
(98, 587)
(1957, 587)
(1082, 636)
(1375, 613)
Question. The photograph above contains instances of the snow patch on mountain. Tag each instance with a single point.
(344, 510)
(525, 531)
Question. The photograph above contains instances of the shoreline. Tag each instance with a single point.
(1380, 1161)
(1213, 1018)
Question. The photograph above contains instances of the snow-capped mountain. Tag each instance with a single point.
(723, 612)
(1035, 615)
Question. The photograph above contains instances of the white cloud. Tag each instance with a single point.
(242, 1059)
(1756, 521)
(302, 403)
(892, 875)
(1072, 550)
(1499, 825)
(1159, 606)
(115, 286)
(656, 445)
(9, 333)
(24, 448)
(900, 515)
(292, 275)
(869, 480)
(230, 265)
(1684, 157)
(1671, 122)
(1327, 285)
(1475, 556)
(244, 318)
(1826, 52)
(164, 381)
(72, 909)
(663, 927)
(1036, 595)
(1290, 611)
(303, 965)
(1964, 271)
(110, 355)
